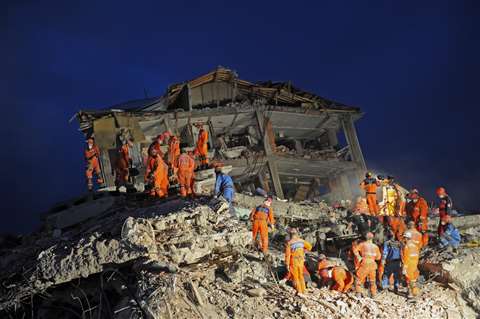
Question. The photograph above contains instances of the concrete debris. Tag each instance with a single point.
(195, 259)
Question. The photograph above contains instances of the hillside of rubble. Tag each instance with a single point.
(195, 259)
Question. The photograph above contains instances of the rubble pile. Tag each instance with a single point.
(195, 259)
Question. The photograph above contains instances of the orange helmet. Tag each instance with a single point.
(441, 191)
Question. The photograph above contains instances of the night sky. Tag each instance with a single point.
(412, 66)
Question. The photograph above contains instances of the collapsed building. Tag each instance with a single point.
(275, 136)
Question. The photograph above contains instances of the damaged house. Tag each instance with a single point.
(274, 135)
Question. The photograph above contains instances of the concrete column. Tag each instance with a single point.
(353, 143)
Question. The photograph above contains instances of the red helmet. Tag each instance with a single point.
(441, 191)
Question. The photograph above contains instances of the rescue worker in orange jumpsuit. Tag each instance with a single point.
(444, 207)
(202, 147)
(370, 185)
(328, 271)
(186, 166)
(92, 156)
(368, 254)
(123, 164)
(157, 174)
(417, 210)
(397, 225)
(414, 235)
(410, 258)
(295, 259)
(157, 146)
(352, 255)
(260, 217)
(173, 151)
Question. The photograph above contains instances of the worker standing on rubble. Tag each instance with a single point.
(370, 185)
(444, 207)
(260, 217)
(157, 145)
(368, 254)
(391, 262)
(295, 259)
(410, 257)
(186, 166)
(223, 184)
(330, 271)
(156, 174)
(92, 156)
(450, 236)
(417, 211)
(202, 146)
(123, 164)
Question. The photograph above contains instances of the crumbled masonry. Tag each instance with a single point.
(195, 259)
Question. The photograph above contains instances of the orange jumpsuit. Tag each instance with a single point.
(157, 170)
(122, 165)
(173, 151)
(202, 146)
(416, 237)
(398, 226)
(410, 256)
(93, 165)
(370, 185)
(418, 212)
(260, 217)
(295, 258)
(155, 145)
(186, 166)
(356, 262)
(343, 279)
(370, 253)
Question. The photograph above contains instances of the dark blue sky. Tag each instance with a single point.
(412, 66)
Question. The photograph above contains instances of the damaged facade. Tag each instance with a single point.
(274, 135)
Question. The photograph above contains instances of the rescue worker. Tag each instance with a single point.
(391, 262)
(415, 236)
(157, 174)
(295, 259)
(370, 185)
(92, 156)
(410, 257)
(450, 236)
(260, 217)
(444, 207)
(353, 256)
(202, 146)
(330, 271)
(397, 225)
(173, 151)
(223, 185)
(368, 254)
(123, 164)
(417, 210)
(157, 146)
(186, 166)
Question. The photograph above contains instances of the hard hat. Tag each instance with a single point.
(160, 137)
(167, 134)
(368, 175)
(407, 234)
(369, 235)
(440, 191)
(414, 191)
(322, 256)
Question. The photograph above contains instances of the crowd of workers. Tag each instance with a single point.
(177, 165)
(405, 223)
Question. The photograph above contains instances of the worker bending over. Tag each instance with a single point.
(368, 254)
(417, 211)
(223, 185)
(202, 146)
(92, 156)
(329, 271)
(450, 236)
(391, 262)
(445, 207)
(370, 185)
(260, 217)
(186, 166)
(410, 257)
(295, 259)
(157, 175)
